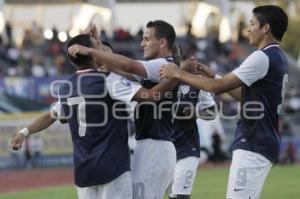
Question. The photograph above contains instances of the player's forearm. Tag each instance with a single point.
(236, 93)
(203, 83)
(124, 74)
(156, 93)
(119, 62)
(41, 123)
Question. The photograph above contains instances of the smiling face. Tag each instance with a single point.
(150, 44)
(255, 32)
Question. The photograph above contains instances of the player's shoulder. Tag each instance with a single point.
(258, 56)
(66, 83)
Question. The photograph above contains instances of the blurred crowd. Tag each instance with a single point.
(35, 56)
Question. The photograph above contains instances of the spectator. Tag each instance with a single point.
(290, 154)
(218, 155)
(38, 69)
(35, 148)
(8, 32)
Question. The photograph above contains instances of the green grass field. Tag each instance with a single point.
(282, 183)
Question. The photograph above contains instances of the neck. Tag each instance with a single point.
(267, 41)
(165, 53)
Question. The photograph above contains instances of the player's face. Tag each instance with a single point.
(255, 33)
(150, 44)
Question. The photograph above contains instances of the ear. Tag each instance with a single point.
(163, 42)
(266, 28)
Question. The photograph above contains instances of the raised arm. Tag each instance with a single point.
(110, 60)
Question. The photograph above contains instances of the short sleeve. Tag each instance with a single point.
(152, 68)
(254, 68)
(120, 88)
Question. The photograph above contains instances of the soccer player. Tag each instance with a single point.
(260, 82)
(154, 156)
(100, 148)
(187, 143)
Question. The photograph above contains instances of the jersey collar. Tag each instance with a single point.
(85, 70)
(270, 46)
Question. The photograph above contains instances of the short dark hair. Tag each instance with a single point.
(163, 30)
(275, 17)
(81, 61)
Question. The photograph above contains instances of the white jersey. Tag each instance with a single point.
(152, 68)
(121, 88)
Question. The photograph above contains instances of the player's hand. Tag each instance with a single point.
(187, 111)
(93, 32)
(170, 70)
(17, 141)
(204, 70)
(90, 30)
(189, 65)
(78, 49)
(86, 31)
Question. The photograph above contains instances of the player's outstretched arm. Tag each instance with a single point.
(157, 92)
(208, 72)
(110, 60)
(37, 125)
(217, 86)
